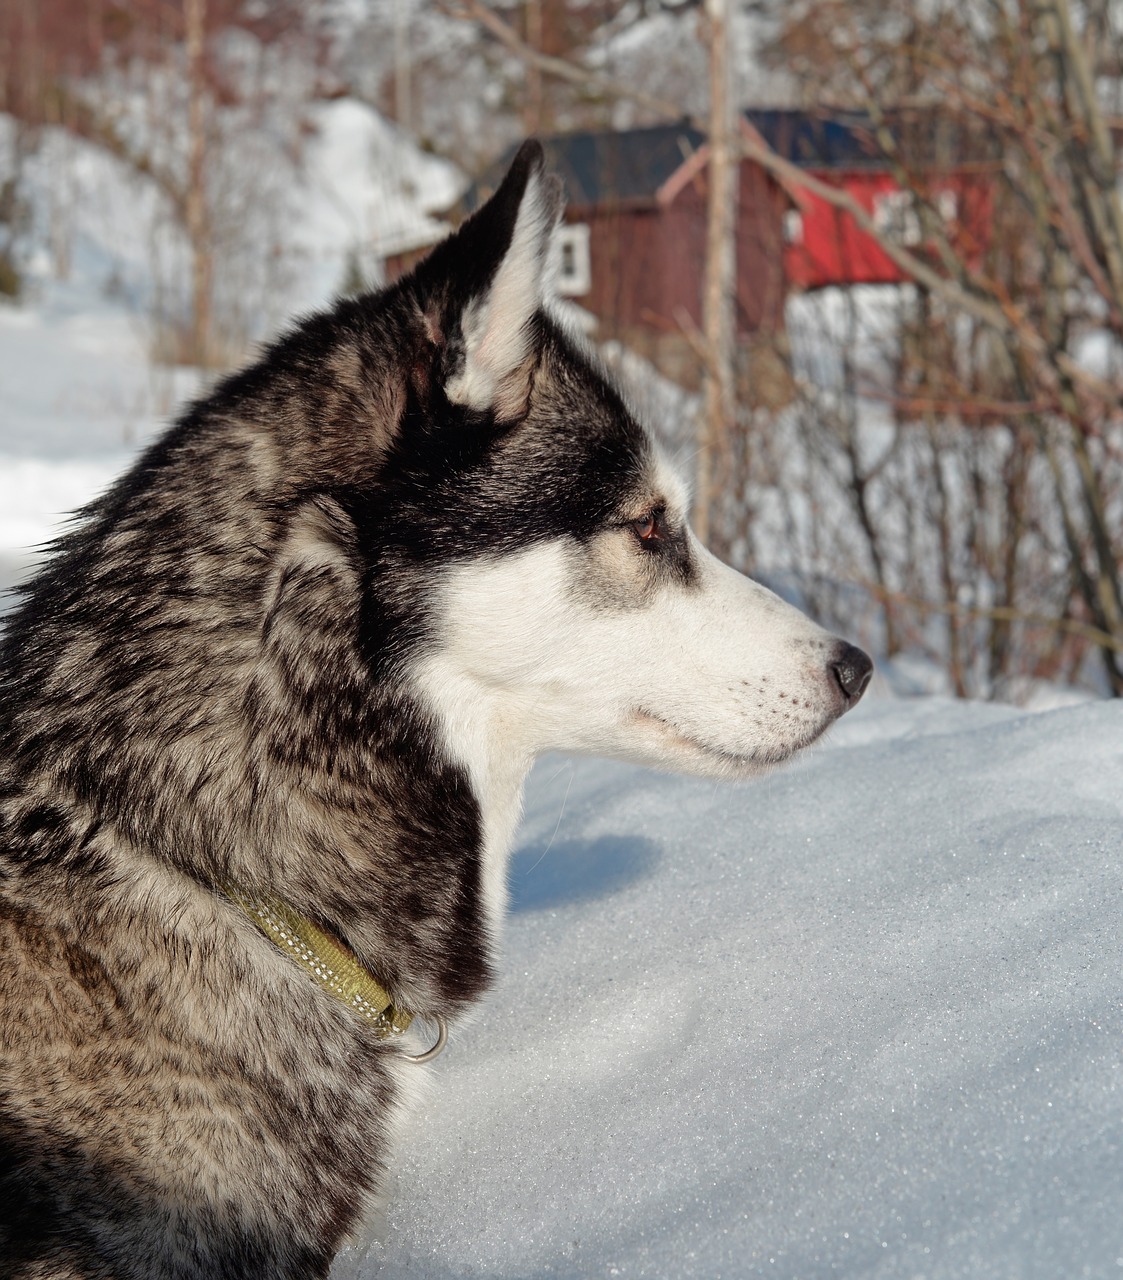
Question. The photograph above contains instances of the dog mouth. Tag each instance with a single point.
(680, 740)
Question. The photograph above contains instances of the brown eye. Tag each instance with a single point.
(649, 529)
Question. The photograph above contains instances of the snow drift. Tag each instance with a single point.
(863, 1018)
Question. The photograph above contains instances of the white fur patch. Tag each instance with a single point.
(719, 678)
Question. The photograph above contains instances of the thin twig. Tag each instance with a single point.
(997, 613)
(559, 68)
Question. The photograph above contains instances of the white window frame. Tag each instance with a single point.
(574, 270)
(947, 205)
(896, 217)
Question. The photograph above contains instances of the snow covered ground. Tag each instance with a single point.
(861, 1018)
(78, 400)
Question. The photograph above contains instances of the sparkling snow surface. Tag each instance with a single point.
(861, 1018)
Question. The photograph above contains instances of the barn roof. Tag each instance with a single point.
(924, 135)
(602, 167)
(632, 166)
(840, 141)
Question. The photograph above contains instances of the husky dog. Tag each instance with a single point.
(303, 655)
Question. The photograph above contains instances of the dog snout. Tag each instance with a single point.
(852, 670)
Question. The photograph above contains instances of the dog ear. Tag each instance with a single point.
(486, 284)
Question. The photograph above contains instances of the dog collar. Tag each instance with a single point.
(332, 965)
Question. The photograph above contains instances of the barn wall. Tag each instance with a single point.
(833, 250)
(761, 283)
(647, 263)
(633, 279)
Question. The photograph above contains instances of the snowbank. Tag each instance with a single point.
(79, 399)
(861, 1018)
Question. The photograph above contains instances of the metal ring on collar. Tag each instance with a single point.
(436, 1049)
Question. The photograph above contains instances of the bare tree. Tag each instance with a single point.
(196, 213)
(719, 282)
(1028, 425)
(170, 90)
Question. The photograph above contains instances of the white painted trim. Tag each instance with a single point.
(574, 268)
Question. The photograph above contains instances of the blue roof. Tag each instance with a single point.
(604, 167)
(844, 140)
(924, 135)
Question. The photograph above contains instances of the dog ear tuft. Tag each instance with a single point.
(492, 276)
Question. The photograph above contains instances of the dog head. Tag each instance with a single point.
(573, 602)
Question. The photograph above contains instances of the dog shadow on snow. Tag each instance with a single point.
(544, 874)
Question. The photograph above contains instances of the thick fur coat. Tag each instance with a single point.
(309, 645)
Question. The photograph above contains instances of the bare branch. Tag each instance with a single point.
(1007, 319)
(558, 68)
(966, 405)
(997, 613)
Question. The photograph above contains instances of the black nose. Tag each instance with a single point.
(852, 669)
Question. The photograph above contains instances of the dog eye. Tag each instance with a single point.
(649, 529)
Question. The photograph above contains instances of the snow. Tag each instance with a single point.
(862, 1017)
(79, 399)
(366, 189)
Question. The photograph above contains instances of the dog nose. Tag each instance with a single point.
(852, 669)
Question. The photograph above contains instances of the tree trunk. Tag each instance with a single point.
(403, 87)
(720, 271)
(198, 220)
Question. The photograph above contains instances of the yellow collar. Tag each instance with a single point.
(328, 961)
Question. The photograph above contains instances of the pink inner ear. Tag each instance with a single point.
(433, 329)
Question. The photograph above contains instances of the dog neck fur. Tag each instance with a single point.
(487, 740)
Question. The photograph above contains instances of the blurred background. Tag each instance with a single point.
(860, 264)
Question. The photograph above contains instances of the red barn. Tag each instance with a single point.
(949, 168)
(632, 250)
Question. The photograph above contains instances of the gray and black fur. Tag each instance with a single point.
(200, 688)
